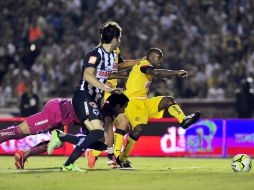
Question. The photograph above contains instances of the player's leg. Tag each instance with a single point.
(87, 112)
(131, 141)
(110, 136)
(96, 132)
(14, 132)
(174, 109)
(62, 137)
(21, 155)
(59, 137)
(138, 117)
(34, 124)
(121, 123)
(109, 140)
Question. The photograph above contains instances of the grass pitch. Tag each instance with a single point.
(149, 174)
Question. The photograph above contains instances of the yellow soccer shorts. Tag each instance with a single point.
(140, 110)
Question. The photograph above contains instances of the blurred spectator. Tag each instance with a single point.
(50, 38)
(35, 33)
(29, 102)
(245, 98)
(161, 88)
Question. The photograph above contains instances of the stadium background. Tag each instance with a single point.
(43, 43)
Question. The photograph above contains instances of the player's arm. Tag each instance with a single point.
(91, 61)
(163, 73)
(89, 76)
(119, 75)
(108, 124)
(128, 63)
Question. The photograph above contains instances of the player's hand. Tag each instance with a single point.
(182, 73)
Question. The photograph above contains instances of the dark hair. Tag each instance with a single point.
(154, 51)
(115, 99)
(110, 30)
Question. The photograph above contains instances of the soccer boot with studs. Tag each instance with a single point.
(190, 119)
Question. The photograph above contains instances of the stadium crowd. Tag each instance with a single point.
(42, 43)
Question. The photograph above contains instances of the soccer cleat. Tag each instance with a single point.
(119, 162)
(20, 159)
(123, 164)
(71, 168)
(190, 119)
(126, 164)
(54, 143)
(112, 162)
(91, 159)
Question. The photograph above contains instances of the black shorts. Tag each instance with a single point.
(85, 106)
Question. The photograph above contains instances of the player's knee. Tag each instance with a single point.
(24, 128)
(137, 131)
(166, 102)
(121, 122)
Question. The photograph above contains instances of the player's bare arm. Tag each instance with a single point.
(163, 73)
(89, 76)
(119, 75)
(128, 63)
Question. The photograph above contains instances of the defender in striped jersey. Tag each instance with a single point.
(97, 66)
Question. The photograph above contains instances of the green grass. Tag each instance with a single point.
(149, 174)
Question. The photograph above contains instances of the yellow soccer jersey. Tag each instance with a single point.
(138, 83)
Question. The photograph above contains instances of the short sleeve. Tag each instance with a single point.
(144, 68)
(92, 59)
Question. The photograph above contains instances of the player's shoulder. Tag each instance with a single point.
(143, 63)
(94, 52)
(93, 56)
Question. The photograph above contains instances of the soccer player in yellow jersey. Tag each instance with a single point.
(122, 64)
(140, 108)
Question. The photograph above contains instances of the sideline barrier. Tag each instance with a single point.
(164, 137)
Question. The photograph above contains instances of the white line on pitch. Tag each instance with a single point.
(24, 171)
(191, 167)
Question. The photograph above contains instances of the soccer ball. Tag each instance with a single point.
(241, 163)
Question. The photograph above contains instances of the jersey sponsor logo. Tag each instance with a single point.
(41, 122)
(96, 112)
(104, 73)
(7, 133)
(92, 59)
(137, 118)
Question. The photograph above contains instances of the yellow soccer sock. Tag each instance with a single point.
(176, 112)
(96, 152)
(118, 141)
(128, 148)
